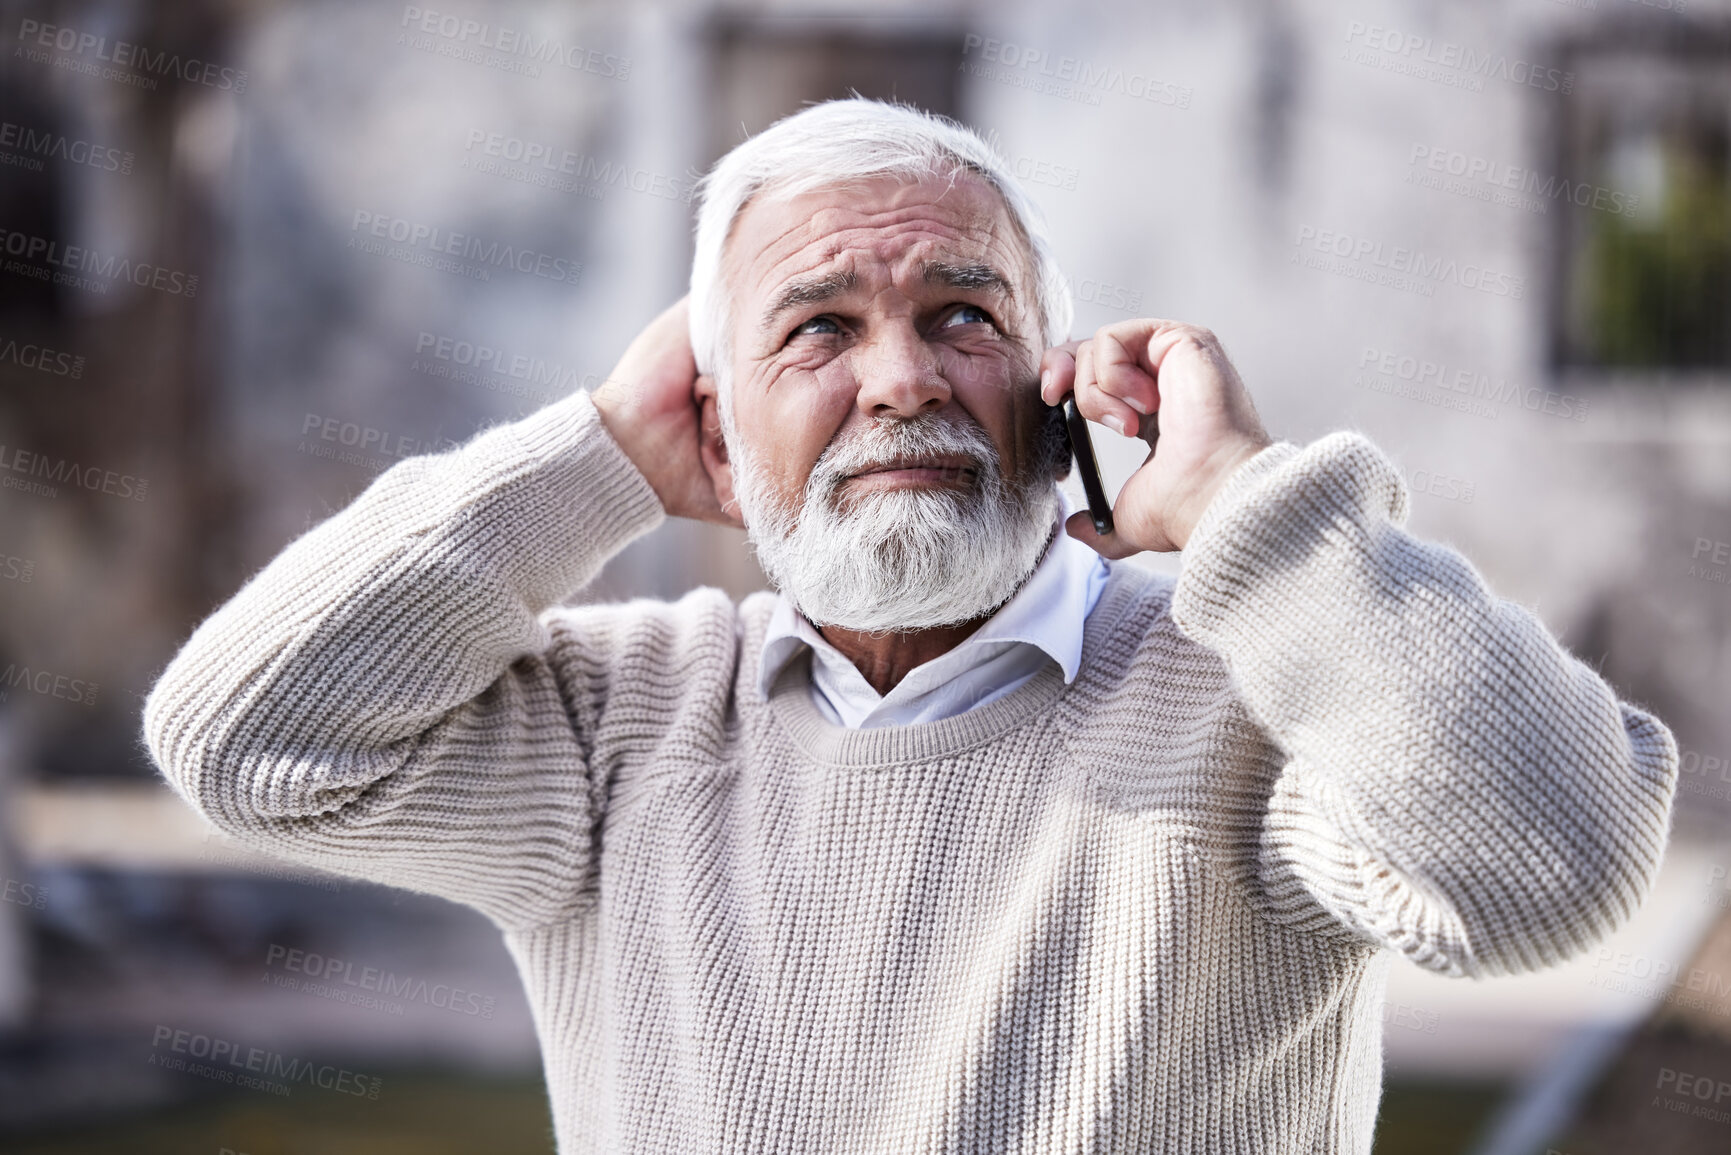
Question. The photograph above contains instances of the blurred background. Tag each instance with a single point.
(1495, 237)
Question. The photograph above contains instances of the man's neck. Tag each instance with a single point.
(885, 659)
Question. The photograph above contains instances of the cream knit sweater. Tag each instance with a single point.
(1145, 912)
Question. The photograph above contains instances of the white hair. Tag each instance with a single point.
(834, 143)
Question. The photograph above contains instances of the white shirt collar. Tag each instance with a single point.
(1047, 612)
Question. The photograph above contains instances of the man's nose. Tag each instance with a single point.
(898, 375)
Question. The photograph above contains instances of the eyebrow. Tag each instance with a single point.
(974, 276)
(809, 291)
(816, 290)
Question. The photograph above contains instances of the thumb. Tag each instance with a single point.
(1080, 525)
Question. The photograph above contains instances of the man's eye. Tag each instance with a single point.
(807, 329)
(968, 315)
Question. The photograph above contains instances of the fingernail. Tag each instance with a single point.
(1045, 381)
(1115, 423)
(1136, 405)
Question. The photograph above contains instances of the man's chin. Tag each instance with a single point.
(898, 513)
(911, 596)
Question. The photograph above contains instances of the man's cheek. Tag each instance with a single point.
(984, 372)
(800, 414)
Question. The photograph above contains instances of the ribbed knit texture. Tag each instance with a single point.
(1151, 911)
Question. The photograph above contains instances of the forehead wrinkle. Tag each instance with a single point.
(883, 241)
(928, 262)
(839, 222)
(869, 242)
(950, 258)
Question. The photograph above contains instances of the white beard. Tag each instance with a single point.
(902, 559)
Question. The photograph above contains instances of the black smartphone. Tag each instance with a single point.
(1082, 447)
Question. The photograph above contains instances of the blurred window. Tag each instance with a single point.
(763, 69)
(1644, 250)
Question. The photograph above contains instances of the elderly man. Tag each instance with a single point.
(965, 839)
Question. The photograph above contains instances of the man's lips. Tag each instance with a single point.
(921, 469)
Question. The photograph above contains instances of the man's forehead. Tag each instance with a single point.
(905, 225)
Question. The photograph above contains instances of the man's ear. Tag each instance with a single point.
(712, 448)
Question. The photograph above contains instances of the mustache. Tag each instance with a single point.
(892, 440)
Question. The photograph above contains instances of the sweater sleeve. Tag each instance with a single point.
(1456, 786)
(377, 700)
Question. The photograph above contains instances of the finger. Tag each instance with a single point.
(1201, 342)
(1094, 402)
(1119, 375)
(1137, 336)
(1057, 372)
(1080, 525)
(1204, 347)
(1162, 341)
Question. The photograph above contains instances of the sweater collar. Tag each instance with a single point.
(824, 742)
(1047, 612)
